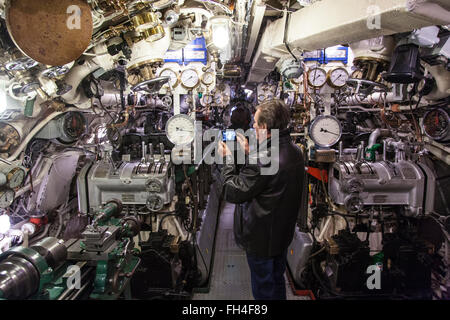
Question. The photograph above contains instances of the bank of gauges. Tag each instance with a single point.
(12, 179)
(335, 78)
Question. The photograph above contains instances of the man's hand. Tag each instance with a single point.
(224, 150)
(243, 142)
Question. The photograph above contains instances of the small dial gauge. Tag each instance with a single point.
(6, 198)
(180, 129)
(154, 186)
(207, 99)
(218, 99)
(317, 77)
(208, 78)
(325, 131)
(436, 124)
(15, 178)
(172, 75)
(337, 78)
(189, 78)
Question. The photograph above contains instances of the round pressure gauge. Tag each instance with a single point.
(208, 78)
(436, 124)
(180, 129)
(325, 131)
(207, 99)
(6, 198)
(172, 75)
(317, 77)
(218, 99)
(337, 78)
(154, 185)
(15, 178)
(190, 78)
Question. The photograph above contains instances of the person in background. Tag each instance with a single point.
(265, 227)
(240, 118)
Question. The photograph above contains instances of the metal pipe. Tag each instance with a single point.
(373, 137)
(150, 148)
(430, 10)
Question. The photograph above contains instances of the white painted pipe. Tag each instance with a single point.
(35, 130)
(431, 10)
(374, 98)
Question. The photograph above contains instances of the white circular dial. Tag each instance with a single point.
(172, 75)
(15, 178)
(180, 129)
(338, 77)
(317, 77)
(6, 198)
(218, 99)
(325, 131)
(208, 78)
(207, 99)
(189, 78)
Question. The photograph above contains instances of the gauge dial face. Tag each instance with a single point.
(207, 99)
(189, 78)
(218, 98)
(325, 131)
(15, 178)
(172, 75)
(317, 77)
(208, 78)
(337, 78)
(6, 198)
(154, 186)
(180, 129)
(436, 124)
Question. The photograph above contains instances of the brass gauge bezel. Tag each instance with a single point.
(189, 87)
(203, 78)
(330, 82)
(312, 70)
(175, 72)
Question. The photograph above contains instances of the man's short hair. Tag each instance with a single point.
(274, 114)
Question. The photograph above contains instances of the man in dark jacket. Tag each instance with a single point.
(265, 226)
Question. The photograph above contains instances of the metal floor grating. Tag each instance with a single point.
(230, 279)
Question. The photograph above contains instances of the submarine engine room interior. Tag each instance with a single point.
(96, 96)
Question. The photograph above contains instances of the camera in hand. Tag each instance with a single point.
(228, 135)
